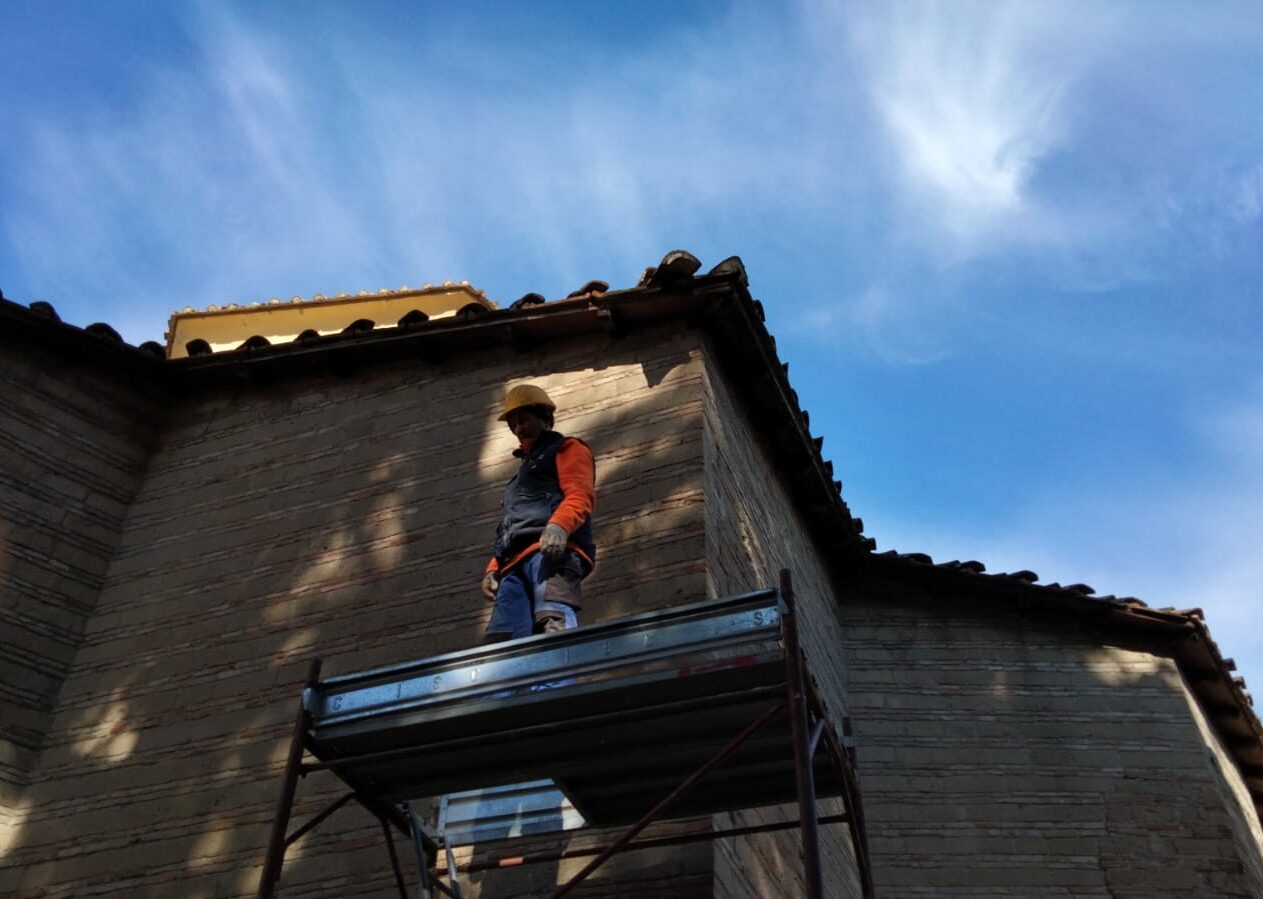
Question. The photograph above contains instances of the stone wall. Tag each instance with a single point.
(72, 454)
(345, 518)
(752, 532)
(1239, 807)
(1004, 755)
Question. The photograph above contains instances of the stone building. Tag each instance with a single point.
(183, 528)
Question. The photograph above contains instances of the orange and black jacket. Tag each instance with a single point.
(555, 484)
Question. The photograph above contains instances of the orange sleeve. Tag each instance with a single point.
(493, 565)
(576, 471)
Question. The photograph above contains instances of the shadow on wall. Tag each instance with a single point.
(754, 531)
(994, 744)
(347, 519)
(619, 411)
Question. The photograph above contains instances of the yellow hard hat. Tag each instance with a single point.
(525, 395)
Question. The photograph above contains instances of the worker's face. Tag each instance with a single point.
(525, 425)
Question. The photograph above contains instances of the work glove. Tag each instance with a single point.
(490, 584)
(552, 543)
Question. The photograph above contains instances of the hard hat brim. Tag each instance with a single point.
(526, 395)
(504, 416)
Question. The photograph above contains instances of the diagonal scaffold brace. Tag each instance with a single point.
(279, 841)
(803, 706)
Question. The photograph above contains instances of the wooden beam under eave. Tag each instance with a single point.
(612, 320)
(516, 339)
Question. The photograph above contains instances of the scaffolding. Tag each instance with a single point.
(681, 713)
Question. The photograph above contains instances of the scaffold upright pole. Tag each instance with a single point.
(851, 798)
(285, 803)
(394, 859)
(807, 814)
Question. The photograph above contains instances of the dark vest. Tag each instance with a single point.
(531, 498)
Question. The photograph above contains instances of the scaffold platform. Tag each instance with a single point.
(679, 713)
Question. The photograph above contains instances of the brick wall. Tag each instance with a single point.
(346, 518)
(1239, 807)
(1012, 756)
(72, 453)
(752, 532)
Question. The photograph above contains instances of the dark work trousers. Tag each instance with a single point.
(536, 596)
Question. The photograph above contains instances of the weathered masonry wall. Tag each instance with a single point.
(1242, 814)
(72, 453)
(350, 519)
(752, 532)
(1008, 756)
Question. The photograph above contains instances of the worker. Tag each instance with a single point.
(544, 546)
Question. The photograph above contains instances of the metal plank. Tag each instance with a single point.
(557, 733)
(701, 608)
(549, 660)
(609, 714)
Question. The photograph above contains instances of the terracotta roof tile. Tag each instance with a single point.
(39, 307)
(359, 326)
(471, 310)
(733, 266)
(526, 300)
(101, 329)
(676, 267)
(414, 317)
(591, 288)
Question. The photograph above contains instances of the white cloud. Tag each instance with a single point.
(266, 163)
(296, 160)
(894, 327)
(973, 98)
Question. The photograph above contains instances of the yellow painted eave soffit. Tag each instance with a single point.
(228, 327)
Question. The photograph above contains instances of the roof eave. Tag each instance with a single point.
(96, 344)
(1181, 635)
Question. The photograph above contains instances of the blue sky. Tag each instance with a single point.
(1012, 252)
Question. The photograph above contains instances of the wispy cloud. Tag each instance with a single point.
(247, 165)
(880, 321)
(1025, 148)
(916, 138)
(973, 99)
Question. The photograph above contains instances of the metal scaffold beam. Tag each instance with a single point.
(670, 715)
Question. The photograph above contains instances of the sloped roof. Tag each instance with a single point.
(720, 302)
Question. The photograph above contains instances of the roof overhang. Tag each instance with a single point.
(276, 322)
